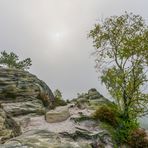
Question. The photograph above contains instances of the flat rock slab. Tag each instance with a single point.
(41, 124)
(43, 139)
(57, 115)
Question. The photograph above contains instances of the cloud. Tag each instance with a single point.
(28, 28)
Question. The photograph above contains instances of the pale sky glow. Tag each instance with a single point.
(53, 33)
(58, 35)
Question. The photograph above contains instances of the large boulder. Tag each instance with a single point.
(57, 115)
(22, 93)
(8, 127)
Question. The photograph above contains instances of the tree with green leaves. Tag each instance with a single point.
(58, 94)
(11, 60)
(121, 56)
(58, 98)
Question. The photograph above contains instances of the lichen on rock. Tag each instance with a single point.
(23, 93)
(26, 118)
(8, 127)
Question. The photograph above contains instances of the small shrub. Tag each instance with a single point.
(67, 101)
(106, 114)
(123, 130)
(138, 139)
(119, 128)
(58, 99)
(59, 102)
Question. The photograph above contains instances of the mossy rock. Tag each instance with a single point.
(8, 127)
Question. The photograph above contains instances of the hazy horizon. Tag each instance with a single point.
(53, 33)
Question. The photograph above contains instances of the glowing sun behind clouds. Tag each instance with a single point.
(57, 42)
(58, 36)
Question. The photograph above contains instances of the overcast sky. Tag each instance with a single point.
(53, 33)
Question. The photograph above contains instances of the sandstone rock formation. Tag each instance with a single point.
(92, 99)
(22, 93)
(25, 103)
(66, 134)
(92, 94)
(8, 127)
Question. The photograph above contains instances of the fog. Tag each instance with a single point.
(53, 33)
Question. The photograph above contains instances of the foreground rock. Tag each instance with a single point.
(22, 93)
(8, 127)
(75, 132)
(27, 99)
(57, 115)
(44, 139)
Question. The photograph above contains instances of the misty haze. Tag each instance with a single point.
(76, 70)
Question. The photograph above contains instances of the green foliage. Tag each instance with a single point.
(58, 99)
(120, 134)
(138, 139)
(57, 94)
(121, 51)
(114, 122)
(11, 60)
(106, 114)
(123, 131)
(60, 102)
(67, 101)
